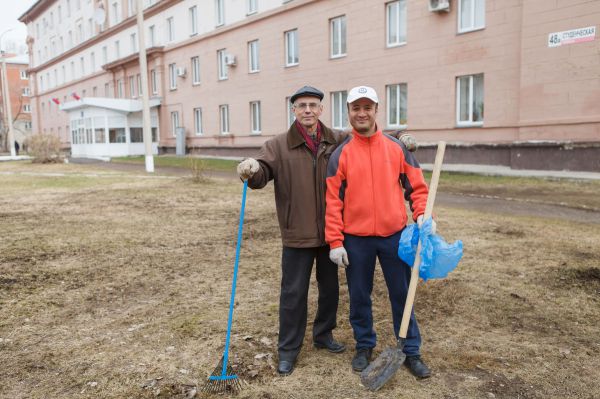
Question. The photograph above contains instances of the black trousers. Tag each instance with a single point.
(296, 267)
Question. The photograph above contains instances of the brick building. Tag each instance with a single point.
(508, 82)
(19, 92)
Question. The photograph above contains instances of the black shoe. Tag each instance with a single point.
(285, 367)
(361, 359)
(331, 345)
(417, 367)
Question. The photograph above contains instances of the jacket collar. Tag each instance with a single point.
(362, 139)
(295, 139)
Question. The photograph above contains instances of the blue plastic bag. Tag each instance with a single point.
(438, 258)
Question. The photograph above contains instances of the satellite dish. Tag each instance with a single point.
(99, 15)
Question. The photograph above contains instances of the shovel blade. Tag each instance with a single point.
(382, 369)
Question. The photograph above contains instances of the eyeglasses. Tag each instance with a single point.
(312, 106)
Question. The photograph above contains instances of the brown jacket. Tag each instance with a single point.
(299, 184)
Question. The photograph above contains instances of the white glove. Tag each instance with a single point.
(339, 256)
(247, 168)
(409, 141)
(433, 224)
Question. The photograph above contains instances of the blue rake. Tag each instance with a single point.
(223, 378)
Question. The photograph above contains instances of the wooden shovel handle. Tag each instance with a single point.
(414, 277)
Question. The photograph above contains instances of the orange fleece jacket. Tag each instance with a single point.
(365, 181)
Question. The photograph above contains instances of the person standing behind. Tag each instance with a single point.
(367, 177)
(297, 161)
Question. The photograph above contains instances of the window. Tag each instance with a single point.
(172, 76)
(174, 122)
(291, 116)
(223, 70)
(68, 8)
(291, 48)
(139, 85)
(26, 92)
(133, 41)
(26, 108)
(471, 15)
(195, 70)
(219, 12)
(132, 87)
(170, 30)
(131, 7)
(151, 39)
(93, 61)
(136, 134)
(64, 73)
(23, 74)
(115, 13)
(396, 105)
(117, 50)
(91, 27)
(469, 100)
(106, 90)
(120, 88)
(104, 54)
(255, 117)
(224, 118)
(198, 121)
(338, 36)
(396, 23)
(28, 125)
(59, 14)
(117, 135)
(193, 20)
(82, 63)
(95, 91)
(253, 56)
(251, 6)
(153, 78)
(339, 110)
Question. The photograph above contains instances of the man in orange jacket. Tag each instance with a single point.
(368, 177)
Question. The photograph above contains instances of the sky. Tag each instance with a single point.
(9, 18)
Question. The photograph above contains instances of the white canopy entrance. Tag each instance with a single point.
(109, 127)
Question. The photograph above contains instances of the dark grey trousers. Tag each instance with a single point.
(296, 267)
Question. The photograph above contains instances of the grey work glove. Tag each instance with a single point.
(339, 256)
(433, 224)
(409, 141)
(247, 168)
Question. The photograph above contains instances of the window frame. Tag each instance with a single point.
(198, 130)
(195, 67)
(222, 68)
(154, 81)
(470, 122)
(170, 29)
(288, 36)
(224, 119)
(219, 13)
(174, 122)
(255, 117)
(473, 27)
(398, 111)
(251, 7)
(341, 33)
(253, 56)
(193, 20)
(173, 76)
(343, 108)
(401, 19)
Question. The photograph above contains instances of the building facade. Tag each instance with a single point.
(19, 93)
(509, 82)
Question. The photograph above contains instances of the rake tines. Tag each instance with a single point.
(222, 380)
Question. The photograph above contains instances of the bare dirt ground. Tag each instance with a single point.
(116, 285)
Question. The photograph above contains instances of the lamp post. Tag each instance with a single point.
(7, 106)
(145, 99)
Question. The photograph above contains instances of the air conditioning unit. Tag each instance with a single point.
(181, 72)
(230, 60)
(439, 5)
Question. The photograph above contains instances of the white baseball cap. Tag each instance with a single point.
(362, 92)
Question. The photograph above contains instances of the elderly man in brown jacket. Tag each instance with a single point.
(297, 162)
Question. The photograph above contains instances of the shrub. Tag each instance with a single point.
(44, 148)
(198, 168)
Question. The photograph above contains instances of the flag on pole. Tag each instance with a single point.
(75, 96)
(56, 101)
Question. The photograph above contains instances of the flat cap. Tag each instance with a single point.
(307, 91)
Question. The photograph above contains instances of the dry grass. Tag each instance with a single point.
(117, 286)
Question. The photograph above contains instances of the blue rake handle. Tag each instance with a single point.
(224, 375)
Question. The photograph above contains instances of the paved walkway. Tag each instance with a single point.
(497, 170)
